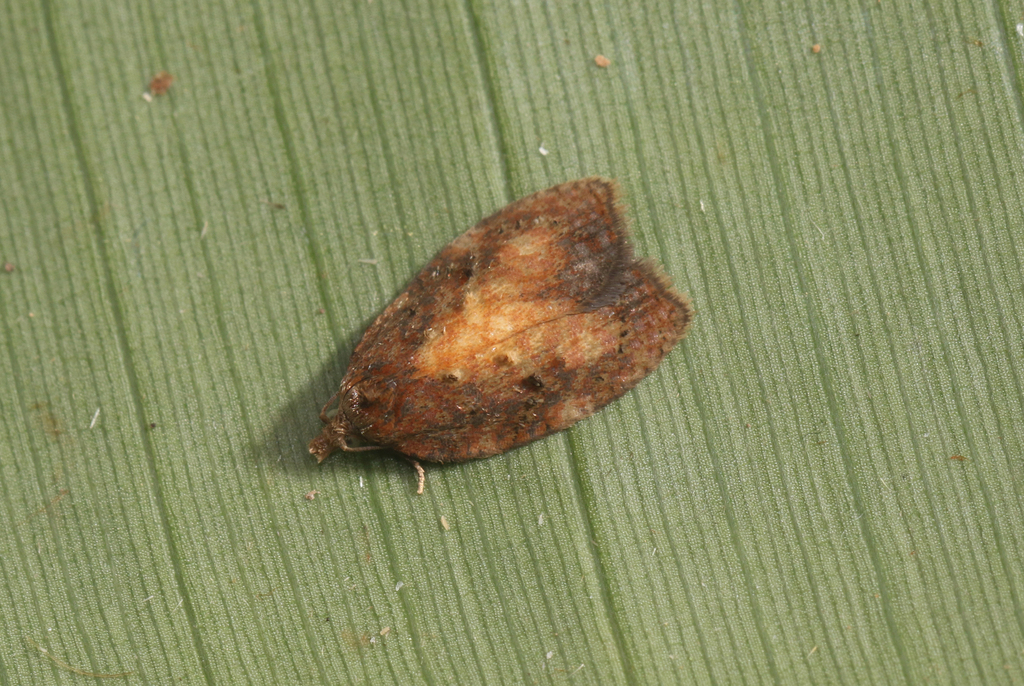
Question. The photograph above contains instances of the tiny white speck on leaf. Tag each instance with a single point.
(94, 418)
(540, 519)
(398, 586)
(543, 150)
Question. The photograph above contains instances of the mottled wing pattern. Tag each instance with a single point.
(543, 256)
(530, 321)
(547, 377)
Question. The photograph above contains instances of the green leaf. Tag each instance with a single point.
(822, 484)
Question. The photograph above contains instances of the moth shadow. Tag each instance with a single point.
(284, 445)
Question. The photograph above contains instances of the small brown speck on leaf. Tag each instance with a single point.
(816, 48)
(152, 425)
(957, 457)
(312, 495)
(8, 267)
(52, 425)
(160, 83)
(354, 640)
(56, 499)
(602, 61)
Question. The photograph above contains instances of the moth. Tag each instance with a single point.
(532, 320)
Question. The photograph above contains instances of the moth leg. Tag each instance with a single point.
(334, 438)
(419, 471)
(359, 448)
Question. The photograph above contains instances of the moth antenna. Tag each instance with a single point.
(323, 412)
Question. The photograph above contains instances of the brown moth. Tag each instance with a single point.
(533, 319)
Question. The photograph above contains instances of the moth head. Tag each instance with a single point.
(334, 436)
(362, 405)
(355, 399)
(367, 403)
(359, 399)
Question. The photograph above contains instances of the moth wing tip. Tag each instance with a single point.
(682, 301)
(607, 189)
(686, 313)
